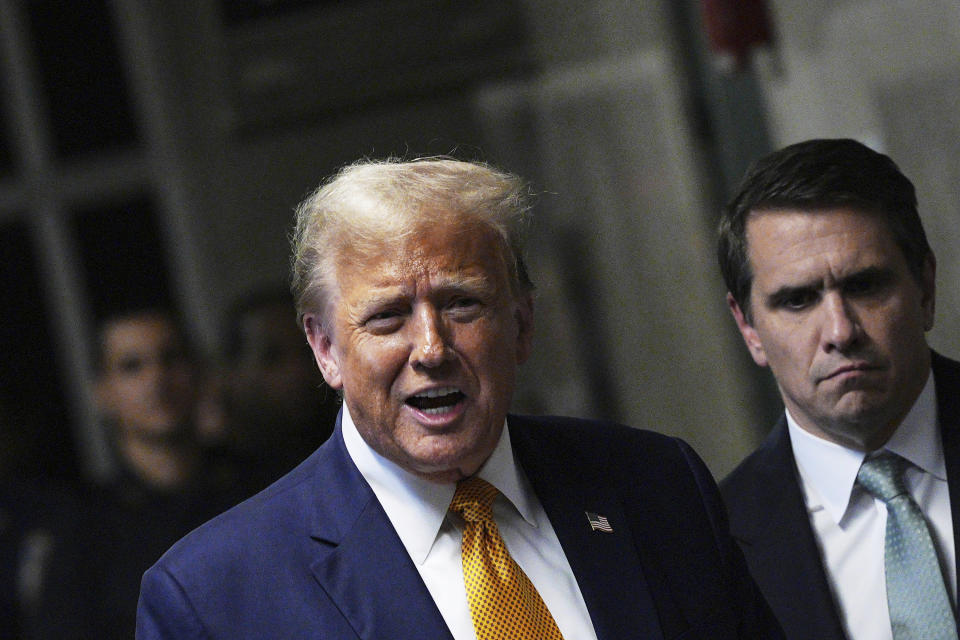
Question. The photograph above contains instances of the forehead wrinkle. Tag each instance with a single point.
(432, 284)
(433, 281)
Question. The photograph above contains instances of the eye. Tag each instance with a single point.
(384, 321)
(864, 286)
(795, 299)
(382, 315)
(799, 300)
(130, 365)
(464, 307)
(464, 303)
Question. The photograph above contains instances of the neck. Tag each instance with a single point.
(164, 464)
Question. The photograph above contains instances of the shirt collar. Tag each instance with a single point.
(831, 469)
(918, 437)
(417, 507)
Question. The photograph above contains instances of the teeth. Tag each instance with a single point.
(436, 393)
(436, 401)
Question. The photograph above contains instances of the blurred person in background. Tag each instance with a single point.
(277, 407)
(36, 516)
(147, 387)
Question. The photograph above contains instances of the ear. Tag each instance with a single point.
(928, 290)
(523, 316)
(750, 336)
(323, 350)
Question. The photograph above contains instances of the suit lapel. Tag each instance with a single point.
(780, 547)
(946, 379)
(360, 561)
(605, 565)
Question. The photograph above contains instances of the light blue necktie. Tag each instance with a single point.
(920, 607)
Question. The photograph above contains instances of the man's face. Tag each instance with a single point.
(839, 319)
(275, 368)
(424, 341)
(148, 384)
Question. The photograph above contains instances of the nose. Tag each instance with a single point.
(430, 347)
(841, 328)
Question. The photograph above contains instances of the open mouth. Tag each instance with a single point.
(436, 401)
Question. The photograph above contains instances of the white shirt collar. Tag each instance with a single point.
(831, 469)
(417, 507)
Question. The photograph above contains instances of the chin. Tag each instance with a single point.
(165, 430)
(444, 468)
(864, 429)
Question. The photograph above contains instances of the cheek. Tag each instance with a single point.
(372, 365)
(787, 357)
(494, 357)
(130, 392)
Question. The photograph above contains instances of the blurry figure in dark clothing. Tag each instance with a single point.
(147, 387)
(278, 408)
(35, 517)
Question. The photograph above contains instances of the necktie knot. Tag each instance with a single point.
(882, 476)
(473, 500)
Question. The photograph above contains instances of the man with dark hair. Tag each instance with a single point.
(278, 408)
(431, 512)
(146, 391)
(164, 486)
(844, 513)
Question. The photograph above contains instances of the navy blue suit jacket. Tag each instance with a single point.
(314, 555)
(768, 518)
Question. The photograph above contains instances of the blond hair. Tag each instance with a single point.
(370, 203)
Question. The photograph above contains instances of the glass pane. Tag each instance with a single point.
(82, 76)
(239, 11)
(36, 434)
(122, 255)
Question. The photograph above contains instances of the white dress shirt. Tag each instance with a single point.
(417, 509)
(850, 525)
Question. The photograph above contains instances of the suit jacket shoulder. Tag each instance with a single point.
(312, 556)
(769, 520)
(315, 555)
(946, 378)
(666, 514)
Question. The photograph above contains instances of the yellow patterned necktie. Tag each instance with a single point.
(504, 604)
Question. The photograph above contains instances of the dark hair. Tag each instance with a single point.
(813, 176)
(135, 311)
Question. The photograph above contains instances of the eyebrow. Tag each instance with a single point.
(778, 297)
(472, 283)
(881, 275)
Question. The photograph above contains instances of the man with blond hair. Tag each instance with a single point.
(431, 512)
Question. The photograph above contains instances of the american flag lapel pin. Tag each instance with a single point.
(598, 522)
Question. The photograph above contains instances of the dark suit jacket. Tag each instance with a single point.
(314, 555)
(768, 518)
